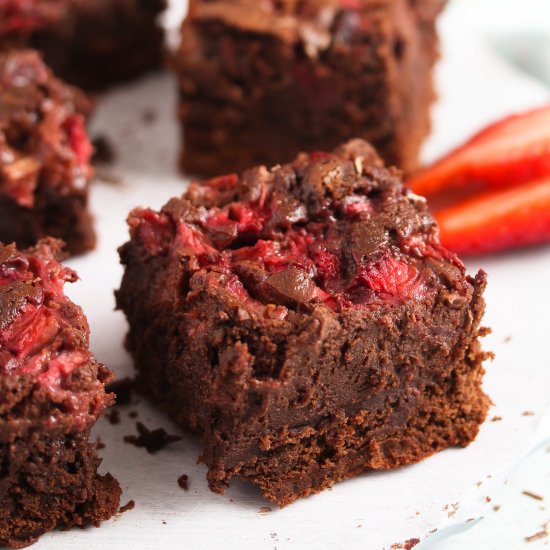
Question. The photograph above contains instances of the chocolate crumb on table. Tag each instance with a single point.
(113, 416)
(183, 482)
(130, 505)
(104, 151)
(264, 510)
(544, 533)
(407, 545)
(152, 440)
(305, 322)
(532, 495)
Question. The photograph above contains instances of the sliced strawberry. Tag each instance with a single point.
(512, 151)
(498, 220)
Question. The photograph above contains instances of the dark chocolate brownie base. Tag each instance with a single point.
(99, 43)
(260, 82)
(306, 323)
(63, 216)
(49, 481)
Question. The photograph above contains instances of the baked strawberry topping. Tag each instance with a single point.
(316, 234)
(42, 333)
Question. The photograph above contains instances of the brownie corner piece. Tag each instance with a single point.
(44, 156)
(306, 322)
(52, 391)
(261, 81)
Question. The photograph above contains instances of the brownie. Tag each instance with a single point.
(44, 156)
(19, 18)
(99, 43)
(51, 394)
(261, 81)
(306, 322)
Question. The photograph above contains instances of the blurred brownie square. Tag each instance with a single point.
(306, 322)
(89, 43)
(44, 156)
(261, 81)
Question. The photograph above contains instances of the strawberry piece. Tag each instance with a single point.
(77, 136)
(499, 220)
(391, 277)
(510, 152)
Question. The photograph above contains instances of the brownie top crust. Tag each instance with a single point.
(43, 141)
(20, 17)
(335, 231)
(44, 342)
(315, 23)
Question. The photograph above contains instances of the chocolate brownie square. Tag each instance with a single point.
(261, 81)
(52, 391)
(99, 43)
(44, 156)
(19, 18)
(89, 43)
(306, 322)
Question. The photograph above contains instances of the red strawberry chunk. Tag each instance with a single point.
(510, 152)
(391, 277)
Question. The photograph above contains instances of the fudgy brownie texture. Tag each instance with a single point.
(99, 43)
(44, 156)
(51, 394)
(261, 81)
(306, 322)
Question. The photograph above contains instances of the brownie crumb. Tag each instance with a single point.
(149, 116)
(183, 482)
(532, 495)
(496, 419)
(407, 545)
(488, 499)
(496, 507)
(123, 389)
(113, 416)
(130, 505)
(507, 339)
(104, 150)
(541, 534)
(152, 440)
(99, 444)
(528, 413)
(264, 510)
(163, 522)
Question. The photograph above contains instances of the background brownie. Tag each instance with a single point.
(98, 43)
(19, 18)
(261, 81)
(89, 43)
(306, 322)
(51, 394)
(44, 156)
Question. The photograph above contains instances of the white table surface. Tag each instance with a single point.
(371, 511)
